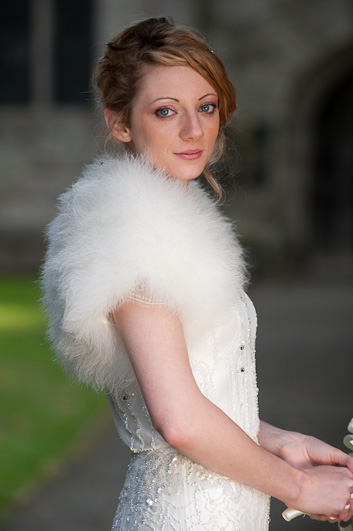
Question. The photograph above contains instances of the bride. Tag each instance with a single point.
(144, 288)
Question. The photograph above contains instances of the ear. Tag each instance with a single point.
(118, 129)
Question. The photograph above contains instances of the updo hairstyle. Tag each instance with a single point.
(157, 41)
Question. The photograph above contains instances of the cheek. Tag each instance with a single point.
(161, 143)
(154, 137)
(143, 141)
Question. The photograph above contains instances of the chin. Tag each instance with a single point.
(188, 174)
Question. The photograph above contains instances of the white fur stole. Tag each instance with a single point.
(122, 224)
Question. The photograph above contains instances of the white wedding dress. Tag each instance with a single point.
(166, 491)
(124, 224)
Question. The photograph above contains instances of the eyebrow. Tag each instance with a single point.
(175, 99)
(165, 98)
(209, 94)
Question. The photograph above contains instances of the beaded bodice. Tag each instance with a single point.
(223, 365)
(166, 491)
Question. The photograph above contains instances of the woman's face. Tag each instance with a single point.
(175, 120)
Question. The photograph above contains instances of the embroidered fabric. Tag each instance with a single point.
(166, 491)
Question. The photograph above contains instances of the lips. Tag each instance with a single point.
(190, 154)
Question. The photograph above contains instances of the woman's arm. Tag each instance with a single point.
(155, 343)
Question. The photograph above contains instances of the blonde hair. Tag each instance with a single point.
(157, 41)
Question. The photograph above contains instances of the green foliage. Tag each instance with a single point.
(41, 410)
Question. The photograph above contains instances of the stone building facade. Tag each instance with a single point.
(292, 64)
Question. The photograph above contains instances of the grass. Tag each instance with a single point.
(42, 411)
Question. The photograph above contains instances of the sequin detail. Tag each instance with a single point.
(165, 491)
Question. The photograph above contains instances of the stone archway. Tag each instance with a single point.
(332, 191)
(320, 162)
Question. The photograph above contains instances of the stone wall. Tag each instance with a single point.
(286, 57)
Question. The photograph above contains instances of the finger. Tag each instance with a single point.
(345, 519)
(320, 517)
(345, 515)
(341, 458)
(349, 463)
(349, 506)
(350, 510)
(344, 470)
(346, 512)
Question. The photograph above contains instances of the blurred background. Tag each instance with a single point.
(292, 199)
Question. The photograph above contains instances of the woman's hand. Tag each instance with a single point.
(325, 493)
(301, 451)
(312, 457)
(310, 454)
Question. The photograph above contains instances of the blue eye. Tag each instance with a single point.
(208, 108)
(163, 112)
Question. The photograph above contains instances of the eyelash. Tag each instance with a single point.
(213, 107)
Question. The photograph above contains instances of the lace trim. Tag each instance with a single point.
(142, 295)
(145, 299)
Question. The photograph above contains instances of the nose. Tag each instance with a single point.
(191, 127)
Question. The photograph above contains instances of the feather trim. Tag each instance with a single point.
(121, 225)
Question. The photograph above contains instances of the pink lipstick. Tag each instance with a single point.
(190, 154)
